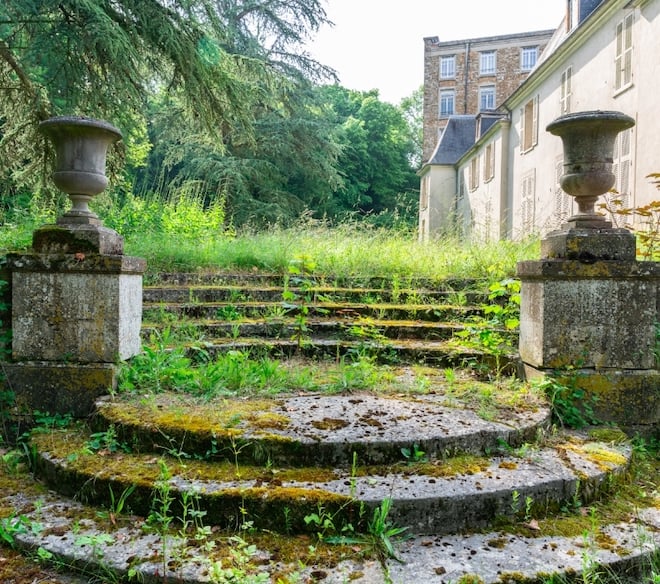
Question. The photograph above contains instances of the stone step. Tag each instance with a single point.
(322, 429)
(437, 497)
(437, 353)
(365, 329)
(265, 279)
(239, 293)
(101, 544)
(236, 310)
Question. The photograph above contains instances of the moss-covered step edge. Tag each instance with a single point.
(252, 278)
(287, 327)
(622, 539)
(437, 497)
(255, 292)
(427, 312)
(317, 429)
(437, 353)
(117, 548)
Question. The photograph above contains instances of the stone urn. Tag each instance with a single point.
(588, 139)
(81, 145)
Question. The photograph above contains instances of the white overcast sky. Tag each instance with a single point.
(378, 44)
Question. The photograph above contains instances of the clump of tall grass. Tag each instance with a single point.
(351, 249)
(185, 233)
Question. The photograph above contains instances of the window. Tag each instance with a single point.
(448, 67)
(562, 200)
(528, 56)
(565, 95)
(528, 202)
(424, 193)
(474, 173)
(622, 165)
(529, 118)
(489, 162)
(486, 98)
(623, 60)
(487, 63)
(446, 103)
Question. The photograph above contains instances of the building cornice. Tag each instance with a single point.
(573, 41)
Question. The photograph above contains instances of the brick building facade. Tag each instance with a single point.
(473, 75)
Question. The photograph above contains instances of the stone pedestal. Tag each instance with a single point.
(74, 316)
(589, 313)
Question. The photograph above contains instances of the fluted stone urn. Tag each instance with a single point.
(588, 139)
(81, 146)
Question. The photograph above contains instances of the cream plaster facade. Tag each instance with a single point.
(578, 72)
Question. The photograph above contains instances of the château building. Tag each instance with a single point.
(495, 174)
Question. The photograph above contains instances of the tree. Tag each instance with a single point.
(104, 58)
(290, 165)
(376, 149)
(413, 111)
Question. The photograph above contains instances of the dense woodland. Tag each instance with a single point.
(216, 99)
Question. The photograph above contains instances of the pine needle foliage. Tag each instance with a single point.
(221, 59)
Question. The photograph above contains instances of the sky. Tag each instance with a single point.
(378, 44)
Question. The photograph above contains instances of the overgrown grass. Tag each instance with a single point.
(348, 250)
(184, 234)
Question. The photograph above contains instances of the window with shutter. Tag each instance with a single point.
(621, 167)
(528, 202)
(489, 162)
(565, 95)
(623, 59)
(474, 173)
(529, 125)
(562, 200)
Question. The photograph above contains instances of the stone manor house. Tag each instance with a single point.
(491, 171)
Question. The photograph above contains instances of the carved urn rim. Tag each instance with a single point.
(599, 117)
(60, 121)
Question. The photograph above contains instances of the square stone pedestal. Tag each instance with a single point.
(74, 316)
(595, 323)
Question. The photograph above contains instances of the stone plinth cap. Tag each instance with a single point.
(76, 263)
(573, 269)
(77, 238)
(589, 245)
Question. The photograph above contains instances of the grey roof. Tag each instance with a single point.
(456, 140)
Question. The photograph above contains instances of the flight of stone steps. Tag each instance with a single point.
(414, 322)
(219, 486)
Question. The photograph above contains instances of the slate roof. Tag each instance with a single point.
(457, 138)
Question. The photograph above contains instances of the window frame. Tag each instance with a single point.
(486, 90)
(525, 51)
(529, 115)
(623, 47)
(474, 173)
(528, 203)
(489, 162)
(446, 59)
(485, 67)
(565, 90)
(446, 93)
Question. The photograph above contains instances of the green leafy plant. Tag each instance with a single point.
(117, 504)
(493, 331)
(414, 454)
(106, 441)
(237, 568)
(300, 271)
(570, 404)
(381, 535)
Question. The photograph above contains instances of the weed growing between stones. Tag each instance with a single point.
(569, 403)
(493, 331)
